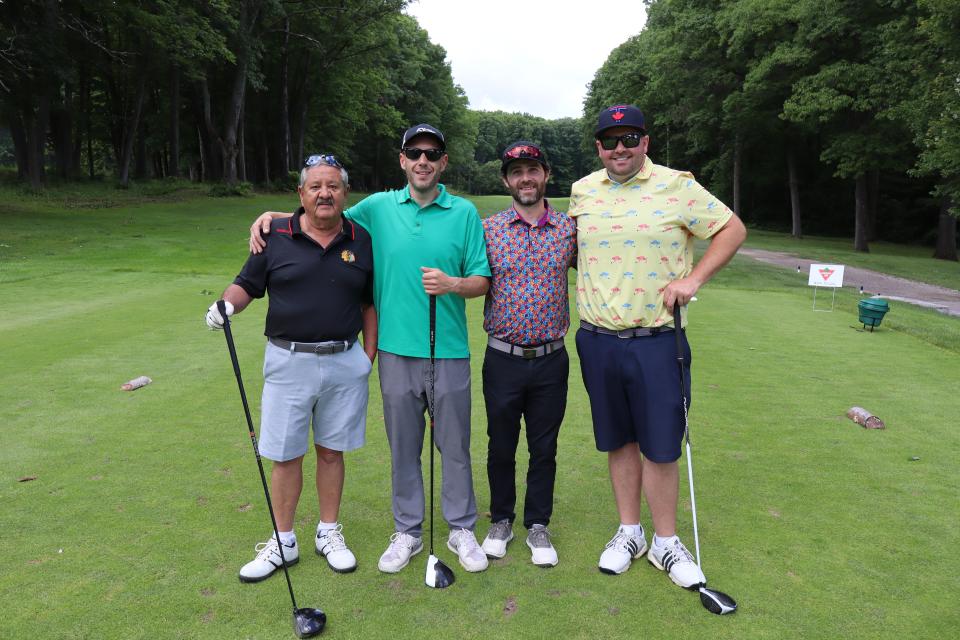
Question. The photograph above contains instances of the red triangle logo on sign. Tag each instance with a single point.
(826, 273)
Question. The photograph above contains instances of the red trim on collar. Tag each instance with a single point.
(353, 232)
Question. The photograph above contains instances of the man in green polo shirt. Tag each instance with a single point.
(425, 242)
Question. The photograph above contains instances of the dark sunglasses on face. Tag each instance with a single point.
(323, 158)
(413, 153)
(629, 140)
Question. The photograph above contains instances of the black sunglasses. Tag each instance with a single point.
(629, 140)
(413, 153)
(323, 158)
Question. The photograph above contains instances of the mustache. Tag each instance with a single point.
(325, 201)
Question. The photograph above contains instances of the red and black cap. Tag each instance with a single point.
(621, 115)
(522, 150)
(423, 130)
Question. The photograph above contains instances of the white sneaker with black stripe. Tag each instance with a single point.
(622, 549)
(268, 560)
(678, 562)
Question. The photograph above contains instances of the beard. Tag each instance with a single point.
(529, 199)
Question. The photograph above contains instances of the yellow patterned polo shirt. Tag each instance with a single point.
(636, 237)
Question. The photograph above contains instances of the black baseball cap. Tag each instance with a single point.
(621, 115)
(522, 150)
(423, 129)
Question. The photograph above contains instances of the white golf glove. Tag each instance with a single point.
(214, 319)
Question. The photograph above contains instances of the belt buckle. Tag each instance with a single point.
(529, 353)
(321, 349)
(626, 333)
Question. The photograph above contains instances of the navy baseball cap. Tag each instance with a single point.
(423, 129)
(621, 115)
(522, 150)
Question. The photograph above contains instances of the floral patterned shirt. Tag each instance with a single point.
(528, 303)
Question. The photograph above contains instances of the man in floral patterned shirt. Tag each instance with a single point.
(530, 247)
(636, 222)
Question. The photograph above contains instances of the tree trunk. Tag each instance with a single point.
(795, 228)
(37, 142)
(737, 164)
(242, 154)
(301, 132)
(946, 233)
(130, 130)
(174, 161)
(203, 155)
(19, 136)
(140, 165)
(861, 221)
(285, 161)
(873, 197)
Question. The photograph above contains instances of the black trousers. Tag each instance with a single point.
(536, 390)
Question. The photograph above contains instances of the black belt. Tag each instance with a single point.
(319, 348)
(528, 353)
(634, 332)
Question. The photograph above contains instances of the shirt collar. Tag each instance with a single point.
(549, 216)
(644, 174)
(443, 198)
(347, 229)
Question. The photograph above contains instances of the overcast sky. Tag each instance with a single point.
(533, 56)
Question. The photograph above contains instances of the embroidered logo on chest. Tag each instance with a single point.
(347, 256)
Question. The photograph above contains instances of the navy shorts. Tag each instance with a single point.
(634, 389)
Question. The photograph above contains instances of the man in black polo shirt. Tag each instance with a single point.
(318, 271)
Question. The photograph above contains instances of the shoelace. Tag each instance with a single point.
(500, 530)
(399, 541)
(334, 538)
(539, 537)
(619, 541)
(464, 541)
(267, 548)
(681, 552)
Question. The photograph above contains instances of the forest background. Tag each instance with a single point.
(835, 118)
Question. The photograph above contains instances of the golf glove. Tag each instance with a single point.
(214, 319)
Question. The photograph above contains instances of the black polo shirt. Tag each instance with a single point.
(314, 293)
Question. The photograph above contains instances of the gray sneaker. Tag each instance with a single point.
(543, 553)
(495, 544)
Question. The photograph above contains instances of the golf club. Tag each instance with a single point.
(307, 622)
(439, 575)
(714, 601)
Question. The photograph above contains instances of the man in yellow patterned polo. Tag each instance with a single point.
(636, 223)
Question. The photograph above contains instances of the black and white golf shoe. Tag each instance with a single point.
(622, 549)
(678, 562)
(268, 560)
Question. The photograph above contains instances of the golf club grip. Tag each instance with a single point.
(676, 331)
(433, 325)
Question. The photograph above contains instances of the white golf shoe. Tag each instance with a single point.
(331, 545)
(495, 544)
(268, 560)
(542, 552)
(677, 561)
(397, 555)
(622, 549)
(463, 543)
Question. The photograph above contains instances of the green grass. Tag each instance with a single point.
(145, 504)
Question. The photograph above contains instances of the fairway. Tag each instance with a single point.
(143, 505)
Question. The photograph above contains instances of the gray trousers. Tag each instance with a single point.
(404, 386)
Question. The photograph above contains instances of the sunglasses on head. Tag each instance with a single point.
(523, 151)
(323, 158)
(629, 140)
(413, 153)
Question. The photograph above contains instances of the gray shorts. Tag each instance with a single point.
(330, 390)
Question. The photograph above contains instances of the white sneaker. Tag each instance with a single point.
(332, 546)
(495, 544)
(397, 555)
(463, 543)
(677, 561)
(268, 560)
(621, 551)
(543, 553)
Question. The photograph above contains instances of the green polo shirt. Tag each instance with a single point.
(447, 235)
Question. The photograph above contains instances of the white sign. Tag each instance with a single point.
(826, 275)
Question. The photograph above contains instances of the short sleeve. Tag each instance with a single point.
(475, 248)
(253, 276)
